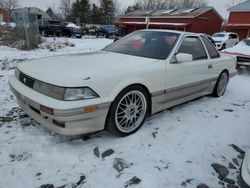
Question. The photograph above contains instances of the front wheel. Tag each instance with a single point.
(221, 85)
(128, 112)
(224, 46)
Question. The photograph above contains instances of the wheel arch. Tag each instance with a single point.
(126, 87)
(226, 71)
(140, 85)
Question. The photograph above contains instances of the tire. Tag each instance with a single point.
(128, 111)
(221, 85)
(223, 47)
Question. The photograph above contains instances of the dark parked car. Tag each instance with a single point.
(98, 32)
(72, 30)
(51, 27)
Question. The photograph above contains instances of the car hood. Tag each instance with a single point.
(239, 49)
(76, 70)
(219, 38)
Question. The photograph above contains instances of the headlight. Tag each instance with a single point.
(67, 94)
(49, 90)
(72, 94)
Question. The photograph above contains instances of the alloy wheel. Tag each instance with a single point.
(130, 111)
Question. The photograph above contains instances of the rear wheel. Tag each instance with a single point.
(128, 112)
(221, 85)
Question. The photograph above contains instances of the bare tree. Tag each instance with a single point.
(233, 3)
(9, 5)
(66, 8)
(118, 10)
(157, 4)
(191, 3)
(1, 3)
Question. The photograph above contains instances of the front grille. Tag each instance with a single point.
(243, 59)
(26, 80)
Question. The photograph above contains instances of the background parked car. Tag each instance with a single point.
(72, 30)
(102, 31)
(111, 31)
(98, 32)
(242, 51)
(225, 40)
(209, 38)
(51, 28)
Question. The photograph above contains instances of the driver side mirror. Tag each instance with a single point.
(182, 58)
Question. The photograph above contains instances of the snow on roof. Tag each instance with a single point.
(241, 7)
(163, 11)
(172, 13)
(72, 25)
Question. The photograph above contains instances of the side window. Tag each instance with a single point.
(210, 48)
(235, 36)
(193, 45)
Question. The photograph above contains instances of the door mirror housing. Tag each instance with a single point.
(183, 57)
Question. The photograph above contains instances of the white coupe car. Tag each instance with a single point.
(115, 89)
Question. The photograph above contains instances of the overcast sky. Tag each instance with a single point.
(220, 5)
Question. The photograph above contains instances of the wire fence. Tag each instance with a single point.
(28, 24)
(22, 32)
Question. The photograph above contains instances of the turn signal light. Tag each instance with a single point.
(91, 108)
(46, 109)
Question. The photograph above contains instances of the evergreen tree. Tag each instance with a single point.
(108, 11)
(132, 8)
(81, 10)
(96, 14)
(51, 13)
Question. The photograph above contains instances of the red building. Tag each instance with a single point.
(199, 20)
(4, 16)
(239, 20)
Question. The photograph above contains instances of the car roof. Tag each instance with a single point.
(226, 33)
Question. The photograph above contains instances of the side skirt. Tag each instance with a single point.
(161, 102)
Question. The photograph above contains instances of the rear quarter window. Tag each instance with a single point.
(213, 53)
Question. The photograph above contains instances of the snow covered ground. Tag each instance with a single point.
(174, 148)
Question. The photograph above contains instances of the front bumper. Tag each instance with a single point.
(68, 118)
(245, 172)
(218, 45)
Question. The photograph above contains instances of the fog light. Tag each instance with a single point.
(46, 109)
(91, 108)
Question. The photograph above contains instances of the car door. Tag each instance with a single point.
(187, 78)
(236, 39)
(232, 40)
(215, 60)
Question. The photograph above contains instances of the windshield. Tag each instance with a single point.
(150, 44)
(219, 35)
(247, 42)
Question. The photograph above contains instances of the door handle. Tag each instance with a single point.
(210, 66)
